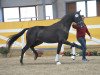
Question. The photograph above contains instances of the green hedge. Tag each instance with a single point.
(4, 50)
(90, 53)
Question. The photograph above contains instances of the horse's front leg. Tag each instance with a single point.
(67, 43)
(71, 44)
(57, 55)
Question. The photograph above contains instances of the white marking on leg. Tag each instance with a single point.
(58, 63)
(73, 53)
(57, 59)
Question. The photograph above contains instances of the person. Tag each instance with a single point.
(81, 31)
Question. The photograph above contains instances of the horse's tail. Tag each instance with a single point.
(14, 38)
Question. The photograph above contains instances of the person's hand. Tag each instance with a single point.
(90, 37)
(74, 23)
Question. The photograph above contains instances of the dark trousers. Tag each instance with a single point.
(82, 41)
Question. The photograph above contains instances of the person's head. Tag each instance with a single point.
(81, 24)
(83, 17)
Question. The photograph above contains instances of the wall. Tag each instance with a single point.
(11, 3)
(98, 7)
(59, 7)
(0, 12)
(9, 28)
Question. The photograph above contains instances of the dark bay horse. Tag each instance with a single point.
(56, 33)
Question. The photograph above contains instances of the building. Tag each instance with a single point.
(39, 9)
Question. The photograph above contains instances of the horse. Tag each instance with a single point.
(55, 33)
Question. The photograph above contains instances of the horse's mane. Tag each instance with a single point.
(64, 19)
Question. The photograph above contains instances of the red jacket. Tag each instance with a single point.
(81, 31)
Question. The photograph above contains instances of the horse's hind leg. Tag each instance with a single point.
(34, 51)
(22, 53)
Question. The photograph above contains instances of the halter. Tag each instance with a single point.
(79, 21)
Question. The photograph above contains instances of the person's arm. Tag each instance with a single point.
(87, 31)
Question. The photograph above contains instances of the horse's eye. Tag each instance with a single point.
(76, 15)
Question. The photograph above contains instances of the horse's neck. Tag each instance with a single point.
(67, 25)
(60, 25)
(64, 23)
(67, 22)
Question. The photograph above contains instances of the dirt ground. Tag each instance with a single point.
(47, 66)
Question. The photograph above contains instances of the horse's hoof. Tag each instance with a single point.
(73, 57)
(35, 57)
(22, 64)
(58, 63)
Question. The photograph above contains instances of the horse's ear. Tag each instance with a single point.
(79, 11)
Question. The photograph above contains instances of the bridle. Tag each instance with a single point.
(80, 22)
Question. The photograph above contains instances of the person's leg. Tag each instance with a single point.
(82, 41)
(76, 45)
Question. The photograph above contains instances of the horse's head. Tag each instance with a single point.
(78, 19)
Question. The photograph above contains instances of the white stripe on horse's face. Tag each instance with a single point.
(76, 15)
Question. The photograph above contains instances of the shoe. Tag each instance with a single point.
(84, 60)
